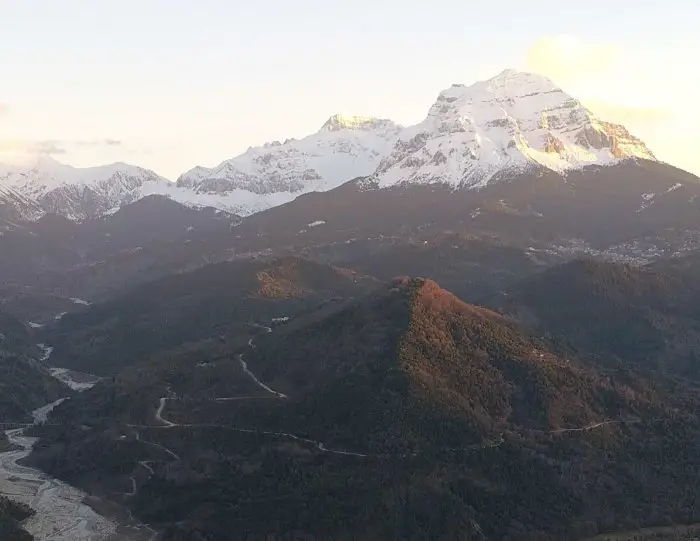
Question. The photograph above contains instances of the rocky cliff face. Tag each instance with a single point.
(76, 193)
(344, 148)
(512, 122)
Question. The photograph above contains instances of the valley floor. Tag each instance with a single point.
(60, 514)
(61, 511)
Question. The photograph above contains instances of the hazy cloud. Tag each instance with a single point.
(49, 147)
(4, 109)
(21, 151)
(623, 114)
(32, 147)
(566, 58)
(99, 142)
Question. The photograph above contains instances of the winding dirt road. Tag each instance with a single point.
(594, 426)
(259, 383)
(276, 394)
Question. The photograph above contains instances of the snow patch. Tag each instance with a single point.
(647, 201)
(75, 380)
(46, 351)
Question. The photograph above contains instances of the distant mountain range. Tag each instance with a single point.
(50, 187)
(343, 149)
(512, 124)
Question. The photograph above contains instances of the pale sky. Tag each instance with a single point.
(170, 84)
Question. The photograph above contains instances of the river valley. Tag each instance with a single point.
(61, 513)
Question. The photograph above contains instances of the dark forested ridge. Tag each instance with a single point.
(15, 336)
(469, 266)
(218, 301)
(623, 315)
(400, 414)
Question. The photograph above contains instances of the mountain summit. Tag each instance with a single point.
(345, 147)
(77, 193)
(511, 123)
(341, 122)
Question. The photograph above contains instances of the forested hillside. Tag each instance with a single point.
(401, 414)
(217, 301)
(621, 315)
(25, 384)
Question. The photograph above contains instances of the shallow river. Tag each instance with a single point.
(61, 514)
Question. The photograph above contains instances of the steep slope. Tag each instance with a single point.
(687, 266)
(78, 193)
(15, 207)
(412, 365)
(25, 384)
(511, 123)
(406, 414)
(633, 317)
(263, 177)
(216, 301)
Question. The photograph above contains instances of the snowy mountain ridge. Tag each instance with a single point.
(76, 193)
(345, 147)
(472, 135)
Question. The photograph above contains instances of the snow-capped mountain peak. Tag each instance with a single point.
(344, 148)
(75, 192)
(48, 174)
(339, 122)
(513, 121)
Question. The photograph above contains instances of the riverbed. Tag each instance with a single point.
(61, 514)
(61, 511)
